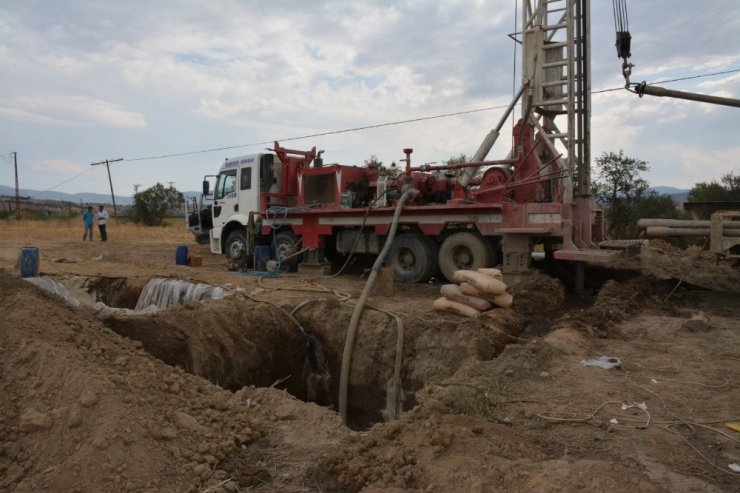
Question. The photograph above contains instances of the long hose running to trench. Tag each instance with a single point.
(357, 312)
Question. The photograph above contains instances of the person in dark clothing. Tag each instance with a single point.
(102, 220)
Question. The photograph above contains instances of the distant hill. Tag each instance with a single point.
(85, 198)
(678, 195)
(670, 190)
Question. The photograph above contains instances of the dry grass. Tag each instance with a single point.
(29, 230)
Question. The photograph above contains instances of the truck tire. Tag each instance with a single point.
(286, 244)
(463, 251)
(412, 257)
(236, 249)
(203, 239)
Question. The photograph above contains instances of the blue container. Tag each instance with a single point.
(181, 255)
(261, 256)
(28, 262)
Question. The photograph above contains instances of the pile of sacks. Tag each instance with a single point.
(479, 291)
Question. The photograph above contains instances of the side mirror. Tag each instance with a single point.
(206, 187)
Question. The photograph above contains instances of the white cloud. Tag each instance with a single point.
(21, 114)
(97, 78)
(722, 83)
(57, 109)
(695, 160)
(61, 166)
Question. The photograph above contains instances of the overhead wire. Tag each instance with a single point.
(366, 127)
(388, 124)
(62, 183)
(321, 134)
(667, 81)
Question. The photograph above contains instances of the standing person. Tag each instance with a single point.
(88, 217)
(102, 219)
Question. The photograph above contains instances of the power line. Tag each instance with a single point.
(62, 183)
(367, 127)
(388, 124)
(698, 76)
(667, 81)
(322, 134)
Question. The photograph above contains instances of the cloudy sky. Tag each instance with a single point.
(82, 81)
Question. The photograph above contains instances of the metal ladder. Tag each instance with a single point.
(555, 61)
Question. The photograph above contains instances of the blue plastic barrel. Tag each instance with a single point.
(261, 256)
(181, 255)
(28, 262)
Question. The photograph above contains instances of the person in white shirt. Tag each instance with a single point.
(102, 219)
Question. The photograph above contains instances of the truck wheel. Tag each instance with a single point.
(412, 257)
(203, 239)
(463, 251)
(236, 249)
(286, 244)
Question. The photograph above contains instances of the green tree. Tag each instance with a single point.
(152, 205)
(658, 205)
(626, 196)
(374, 162)
(461, 159)
(727, 190)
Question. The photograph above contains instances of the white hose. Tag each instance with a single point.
(357, 312)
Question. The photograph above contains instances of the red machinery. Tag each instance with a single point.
(539, 195)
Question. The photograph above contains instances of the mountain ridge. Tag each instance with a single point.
(86, 198)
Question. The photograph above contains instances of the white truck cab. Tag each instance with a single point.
(239, 183)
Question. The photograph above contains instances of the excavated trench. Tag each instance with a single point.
(236, 341)
(233, 342)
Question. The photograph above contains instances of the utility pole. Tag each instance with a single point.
(107, 165)
(17, 192)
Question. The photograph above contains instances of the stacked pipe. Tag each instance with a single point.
(479, 291)
(664, 228)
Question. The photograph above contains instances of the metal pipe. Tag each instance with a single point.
(429, 167)
(408, 152)
(683, 223)
(664, 232)
(490, 139)
(643, 88)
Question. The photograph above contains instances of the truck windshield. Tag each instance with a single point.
(225, 184)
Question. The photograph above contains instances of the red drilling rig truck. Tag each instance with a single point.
(462, 216)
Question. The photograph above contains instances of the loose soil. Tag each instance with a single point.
(240, 394)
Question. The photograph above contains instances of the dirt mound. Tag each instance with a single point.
(86, 410)
(538, 296)
(693, 266)
(459, 453)
(581, 426)
(496, 403)
(614, 303)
